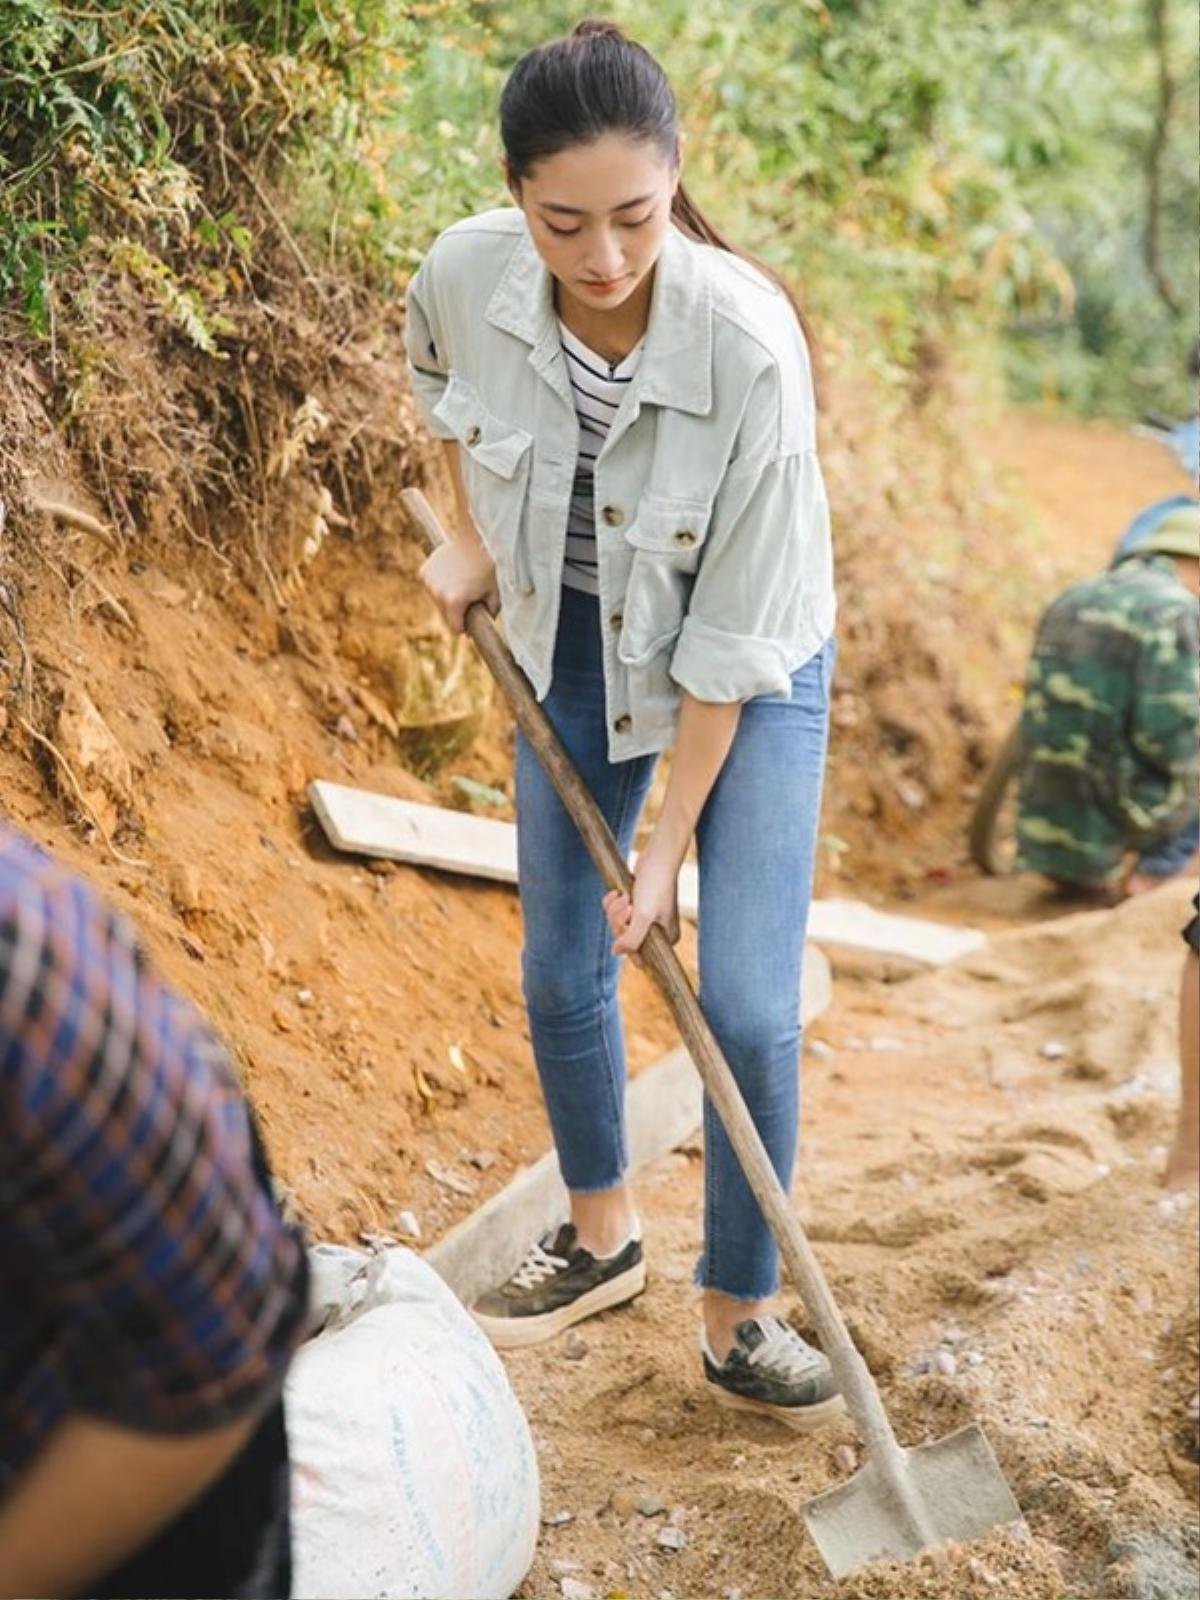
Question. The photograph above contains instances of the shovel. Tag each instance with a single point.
(902, 1500)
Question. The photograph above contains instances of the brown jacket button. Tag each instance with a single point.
(613, 516)
(617, 620)
(685, 536)
(474, 435)
(623, 724)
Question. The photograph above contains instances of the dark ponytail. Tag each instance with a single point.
(595, 81)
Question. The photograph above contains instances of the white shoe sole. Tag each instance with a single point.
(801, 1419)
(515, 1333)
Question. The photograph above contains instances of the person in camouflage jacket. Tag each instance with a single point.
(1110, 729)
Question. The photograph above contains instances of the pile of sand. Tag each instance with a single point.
(981, 1173)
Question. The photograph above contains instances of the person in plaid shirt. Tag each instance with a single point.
(150, 1294)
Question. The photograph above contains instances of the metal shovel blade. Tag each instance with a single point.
(956, 1487)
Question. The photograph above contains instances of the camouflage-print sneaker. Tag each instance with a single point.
(557, 1284)
(773, 1372)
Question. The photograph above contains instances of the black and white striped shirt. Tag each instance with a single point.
(597, 387)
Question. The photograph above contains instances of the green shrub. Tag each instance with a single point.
(123, 117)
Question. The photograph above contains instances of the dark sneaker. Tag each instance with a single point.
(771, 1371)
(558, 1284)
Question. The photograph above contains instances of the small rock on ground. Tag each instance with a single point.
(408, 1224)
(623, 1502)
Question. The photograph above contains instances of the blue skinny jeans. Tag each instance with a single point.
(756, 842)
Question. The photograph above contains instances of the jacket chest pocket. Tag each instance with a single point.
(667, 539)
(494, 458)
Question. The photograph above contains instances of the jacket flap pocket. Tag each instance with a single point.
(496, 445)
(669, 526)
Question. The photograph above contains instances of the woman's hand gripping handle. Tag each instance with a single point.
(458, 571)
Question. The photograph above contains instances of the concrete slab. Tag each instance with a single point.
(846, 929)
(816, 984)
(663, 1106)
(663, 1109)
(488, 1246)
(855, 935)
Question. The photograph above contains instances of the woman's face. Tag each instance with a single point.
(598, 214)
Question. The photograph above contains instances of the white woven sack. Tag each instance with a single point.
(413, 1469)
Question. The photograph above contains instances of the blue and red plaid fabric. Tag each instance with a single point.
(145, 1274)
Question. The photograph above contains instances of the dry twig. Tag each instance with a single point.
(69, 772)
(73, 517)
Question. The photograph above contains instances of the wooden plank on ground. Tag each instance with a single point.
(367, 824)
(854, 934)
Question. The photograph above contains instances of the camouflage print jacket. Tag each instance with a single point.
(1111, 722)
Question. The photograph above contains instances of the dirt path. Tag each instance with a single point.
(980, 1178)
(1086, 480)
(980, 1174)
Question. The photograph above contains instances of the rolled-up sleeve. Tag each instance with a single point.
(762, 602)
(425, 344)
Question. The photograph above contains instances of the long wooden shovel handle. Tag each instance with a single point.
(658, 954)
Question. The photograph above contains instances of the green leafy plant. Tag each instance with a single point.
(122, 119)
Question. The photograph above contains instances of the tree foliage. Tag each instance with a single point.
(926, 172)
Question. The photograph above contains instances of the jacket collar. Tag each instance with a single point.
(676, 365)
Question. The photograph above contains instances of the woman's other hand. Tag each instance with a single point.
(706, 731)
(457, 574)
(655, 898)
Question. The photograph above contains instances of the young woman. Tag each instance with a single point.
(628, 415)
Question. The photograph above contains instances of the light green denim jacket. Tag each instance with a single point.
(715, 569)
